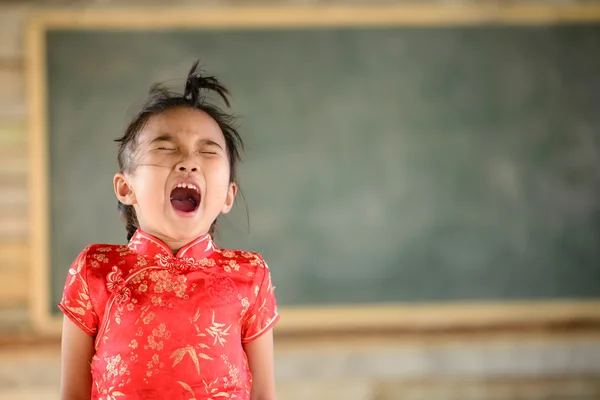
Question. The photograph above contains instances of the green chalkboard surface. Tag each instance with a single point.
(383, 165)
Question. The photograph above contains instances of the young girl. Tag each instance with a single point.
(170, 315)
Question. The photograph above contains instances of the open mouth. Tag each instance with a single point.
(185, 197)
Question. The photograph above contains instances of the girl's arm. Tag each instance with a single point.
(76, 373)
(260, 361)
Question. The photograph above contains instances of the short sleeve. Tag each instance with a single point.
(263, 315)
(76, 303)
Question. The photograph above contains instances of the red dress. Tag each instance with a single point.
(169, 327)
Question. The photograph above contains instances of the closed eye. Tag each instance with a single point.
(208, 152)
(165, 148)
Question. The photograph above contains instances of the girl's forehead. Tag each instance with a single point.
(182, 124)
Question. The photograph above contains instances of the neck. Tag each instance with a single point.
(173, 244)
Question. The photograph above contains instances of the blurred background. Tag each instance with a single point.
(425, 186)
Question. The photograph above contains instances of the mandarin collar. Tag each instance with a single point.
(148, 245)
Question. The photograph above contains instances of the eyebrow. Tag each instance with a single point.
(209, 143)
(165, 137)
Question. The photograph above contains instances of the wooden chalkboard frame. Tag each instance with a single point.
(476, 316)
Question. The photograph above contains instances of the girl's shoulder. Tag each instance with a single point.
(105, 256)
(107, 250)
(238, 259)
(237, 254)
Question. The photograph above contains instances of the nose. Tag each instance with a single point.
(188, 164)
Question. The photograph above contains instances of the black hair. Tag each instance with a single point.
(160, 100)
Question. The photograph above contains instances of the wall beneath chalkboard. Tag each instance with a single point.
(383, 164)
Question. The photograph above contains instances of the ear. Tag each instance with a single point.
(123, 190)
(231, 192)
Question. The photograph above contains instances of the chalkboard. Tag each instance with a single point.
(383, 165)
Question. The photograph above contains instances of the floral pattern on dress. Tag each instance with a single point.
(169, 325)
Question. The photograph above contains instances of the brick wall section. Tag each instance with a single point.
(13, 160)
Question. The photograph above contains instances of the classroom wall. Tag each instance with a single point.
(369, 372)
(14, 196)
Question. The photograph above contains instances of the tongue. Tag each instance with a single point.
(183, 205)
(183, 200)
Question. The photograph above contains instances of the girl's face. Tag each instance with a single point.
(179, 180)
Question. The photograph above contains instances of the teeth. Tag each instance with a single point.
(188, 186)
